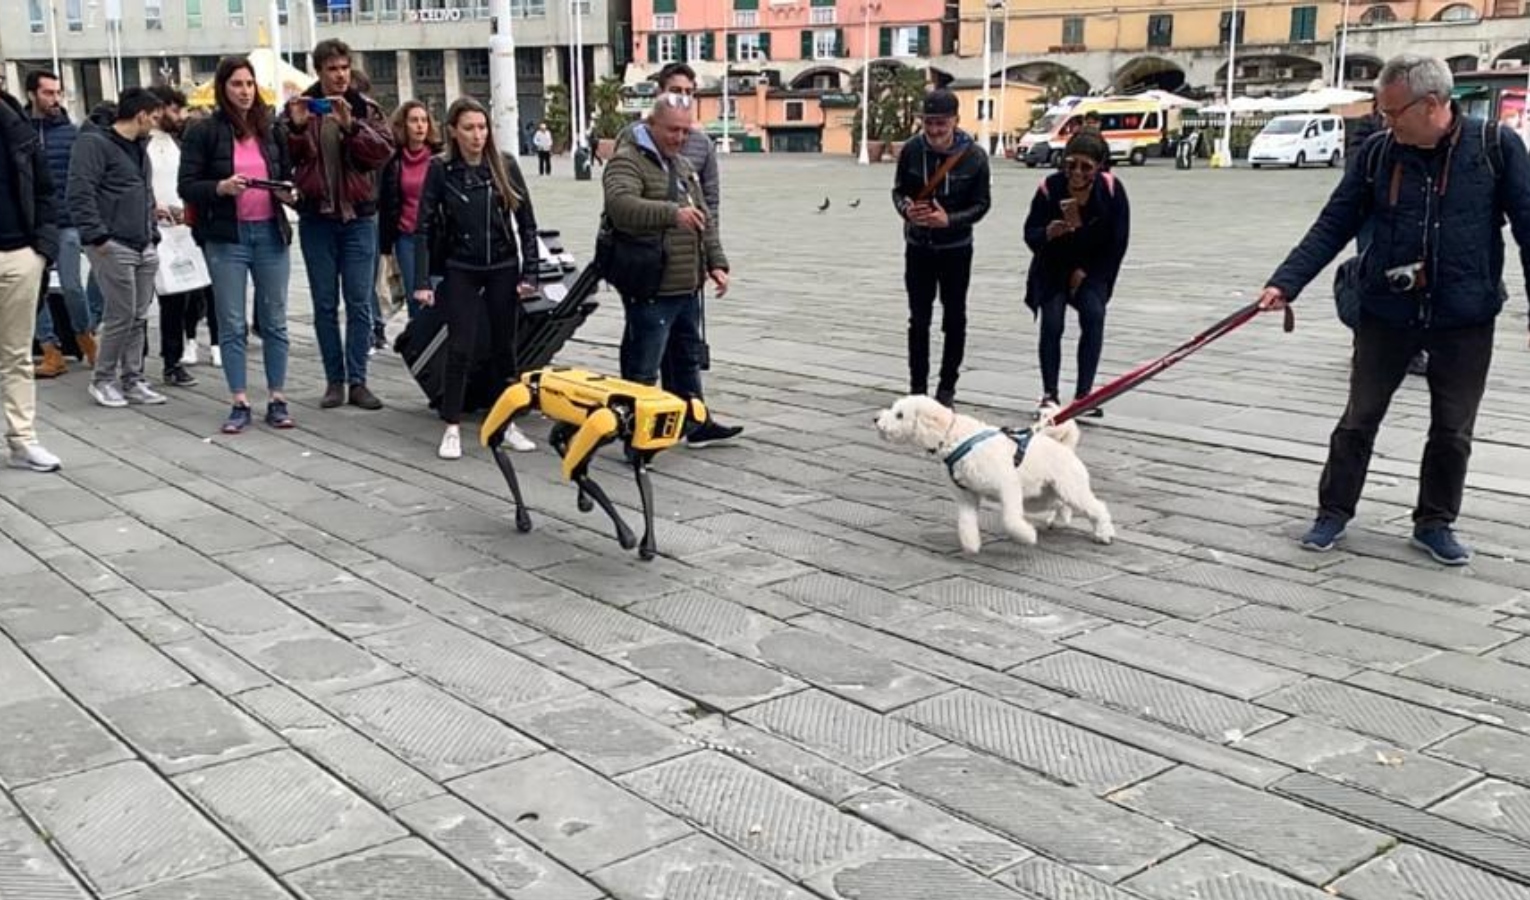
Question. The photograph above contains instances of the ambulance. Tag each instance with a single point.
(1135, 129)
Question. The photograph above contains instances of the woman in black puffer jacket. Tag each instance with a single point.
(471, 195)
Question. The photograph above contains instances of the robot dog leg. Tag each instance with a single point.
(590, 411)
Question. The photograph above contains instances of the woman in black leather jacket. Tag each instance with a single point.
(471, 195)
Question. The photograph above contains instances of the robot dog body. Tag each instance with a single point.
(591, 410)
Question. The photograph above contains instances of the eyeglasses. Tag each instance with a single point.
(1081, 166)
(677, 89)
(1396, 114)
(678, 101)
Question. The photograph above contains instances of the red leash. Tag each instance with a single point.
(1101, 395)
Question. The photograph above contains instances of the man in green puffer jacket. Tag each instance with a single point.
(650, 189)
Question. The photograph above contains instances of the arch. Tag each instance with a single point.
(1275, 71)
(1147, 72)
(1467, 63)
(1361, 68)
(1521, 54)
(1457, 12)
(941, 78)
(811, 78)
(1380, 14)
(1055, 79)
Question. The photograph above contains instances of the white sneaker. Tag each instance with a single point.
(189, 357)
(517, 441)
(216, 356)
(141, 394)
(34, 457)
(451, 444)
(107, 394)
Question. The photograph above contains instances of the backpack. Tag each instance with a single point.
(1347, 287)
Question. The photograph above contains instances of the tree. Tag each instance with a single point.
(609, 118)
(556, 113)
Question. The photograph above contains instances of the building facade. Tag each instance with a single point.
(433, 50)
(1281, 45)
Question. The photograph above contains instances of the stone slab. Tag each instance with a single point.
(717, 679)
(578, 818)
(1366, 648)
(1487, 678)
(28, 868)
(437, 734)
(923, 824)
(601, 733)
(1038, 742)
(1209, 873)
(493, 853)
(124, 828)
(852, 735)
(696, 868)
(767, 820)
(1436, 629)
(850, 599)
(707, 617)
(186, 728)
(840, 669)
(1026, 611)
(1412, 873)
(1042, 878)
(1501, 753)
(1152, 697)
(50, 736)
(1067, 824)
(23, 681)
(976, 640)
(1491, 805)
(894, 878)
(1409, 725)
(1184, 601)
(109, 663)
(407, 868)
(1302, 842)
(469, 667)
(241, 881)
(1275, 654)
(1253, 586)
(1183, 660)
(355, 609)
(822, 777)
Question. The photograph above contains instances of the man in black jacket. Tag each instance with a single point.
(941, 191)
(1427, 200)
(111, 200)
(28, 243)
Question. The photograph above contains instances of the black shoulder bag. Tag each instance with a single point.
(632, 264)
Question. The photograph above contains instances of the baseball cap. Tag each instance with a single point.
(940, 102)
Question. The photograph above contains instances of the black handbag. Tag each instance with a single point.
(632, 264)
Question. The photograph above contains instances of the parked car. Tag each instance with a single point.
(1296, 140)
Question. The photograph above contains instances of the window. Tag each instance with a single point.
(1160, 31)
(822, 15)
(795, 111)
(826, 43)
(1378, 15)
(668, 48)
(746, 18)
(1303, 24)
(1073, 31)
(750, 47)
(1226, 25)
(282, 18)
(193, 13)
(1328, 124)
(901, 41)
(236, 13)
(35, 14)
(698, 47)
(429, 65)
(664, 22)
(474, 63)
(1457, 12)
(152, 18)
(528, 9)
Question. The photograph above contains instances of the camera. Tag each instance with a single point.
(320, 106)
(1406, 278)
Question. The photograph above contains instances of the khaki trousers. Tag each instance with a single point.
(21, 273)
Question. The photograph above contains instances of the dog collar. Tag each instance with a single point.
(1022, 440)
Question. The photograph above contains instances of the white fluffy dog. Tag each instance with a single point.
(981, 463)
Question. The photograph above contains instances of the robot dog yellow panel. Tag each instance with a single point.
(591, 410)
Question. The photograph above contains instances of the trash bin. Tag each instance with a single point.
(582, 164)
(1184, 154)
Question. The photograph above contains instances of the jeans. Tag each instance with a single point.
(68, 266)
(95, 302)
(126, 277)
(926, 272)
(178, 317)
(469, 297)
(544, 162)
(659, 328)
(403, 254)
(341, 258)
(1090, 302)
(1458, 368)
(260, 256)
(20, 272)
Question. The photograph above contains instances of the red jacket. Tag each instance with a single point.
(363, 152)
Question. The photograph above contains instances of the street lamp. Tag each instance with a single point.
(502, 88)
(1003, 76)
(866, 9)
(577, 94)
(1343, 44)
(727, 94)
(1232, 56)
(987, 74)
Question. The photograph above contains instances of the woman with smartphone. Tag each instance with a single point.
(476, 208)
(403, 185)
(234, 179)
(1078, 230)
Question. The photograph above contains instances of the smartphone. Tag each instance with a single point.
(267, 184)
(320, 106)
(1070, 211)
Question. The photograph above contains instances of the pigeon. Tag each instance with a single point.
(855, 203)
(825, 205)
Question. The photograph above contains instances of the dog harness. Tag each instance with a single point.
(1022, 440)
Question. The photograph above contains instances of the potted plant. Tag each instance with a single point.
(609, 119)
(556, 113)
(900, 102)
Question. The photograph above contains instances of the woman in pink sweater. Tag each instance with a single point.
(418, 138)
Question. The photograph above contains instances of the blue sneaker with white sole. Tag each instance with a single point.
(1441, 545)
(1324, 533)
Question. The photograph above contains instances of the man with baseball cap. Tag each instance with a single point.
(941, 191)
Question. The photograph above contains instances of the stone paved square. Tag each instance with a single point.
(323, 663)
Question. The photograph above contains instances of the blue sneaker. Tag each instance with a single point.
(1441, 544)
(1324, 533)
(238, 420)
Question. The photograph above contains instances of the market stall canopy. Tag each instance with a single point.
(1242, 105)
(1320, 100)
(1169, 99)
(278, 80)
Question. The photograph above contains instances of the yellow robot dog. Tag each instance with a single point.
(589, 411)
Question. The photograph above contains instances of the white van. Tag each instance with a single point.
(1296, 140)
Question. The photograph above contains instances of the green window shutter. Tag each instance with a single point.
(884, 43)
(653, 48)
(807, 44)
(746, 4)
(839, 43)
(709, 46)
(765, 45)
(924, 40)
(664, 7)
(732, 48)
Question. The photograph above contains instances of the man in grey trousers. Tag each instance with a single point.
(111, 201)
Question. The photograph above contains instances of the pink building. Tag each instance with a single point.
(805, 34)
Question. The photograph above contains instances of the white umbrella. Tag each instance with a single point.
(1320, 99)
(1170, 100)
(1240, 105)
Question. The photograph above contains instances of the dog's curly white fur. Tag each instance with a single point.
(1051, 476)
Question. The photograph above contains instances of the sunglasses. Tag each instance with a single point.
(676, 100)
(1079, 165)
